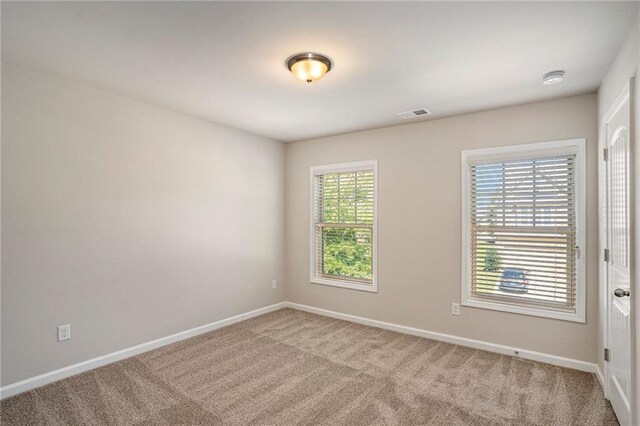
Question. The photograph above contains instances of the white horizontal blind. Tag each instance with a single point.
(523, 232)
(343, 222)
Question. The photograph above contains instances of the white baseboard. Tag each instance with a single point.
(600, 377)
(53, 376)
(462, 341)
(72, 370)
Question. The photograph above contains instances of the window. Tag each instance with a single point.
(343, 225)
(523, 229)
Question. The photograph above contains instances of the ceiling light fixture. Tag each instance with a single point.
(308, 66)
(553, 77)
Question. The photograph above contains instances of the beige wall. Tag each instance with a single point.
(127, 221)
(419, 240)
(132, 222)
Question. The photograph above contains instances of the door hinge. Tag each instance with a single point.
(606, 255)
(605, 154)
(606, 354)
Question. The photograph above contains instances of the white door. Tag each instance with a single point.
(618, 270)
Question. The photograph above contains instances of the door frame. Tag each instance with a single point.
(605, 296)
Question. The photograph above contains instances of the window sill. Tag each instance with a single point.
(346, 284)
(565, 316)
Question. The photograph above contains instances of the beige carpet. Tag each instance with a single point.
(290, 367)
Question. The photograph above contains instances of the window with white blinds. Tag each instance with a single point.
(524, 240)
(343, 224)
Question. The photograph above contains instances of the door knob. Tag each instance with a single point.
(619, 292)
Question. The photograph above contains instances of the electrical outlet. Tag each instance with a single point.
(455, 309)
(64, 332)
(274, 284)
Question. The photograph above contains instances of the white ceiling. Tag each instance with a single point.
(224, 61)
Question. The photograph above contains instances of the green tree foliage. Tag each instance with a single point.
(348, 252)
(491, 259)
(348, 199)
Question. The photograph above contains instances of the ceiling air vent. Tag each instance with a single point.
(415, 113)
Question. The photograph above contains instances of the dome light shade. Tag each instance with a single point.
(308, 66)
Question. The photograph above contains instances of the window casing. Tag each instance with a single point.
(343, 225)
(524, 229)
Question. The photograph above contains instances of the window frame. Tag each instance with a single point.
(342, 168)
(514, 152)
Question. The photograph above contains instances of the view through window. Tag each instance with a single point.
(344, 209)
(523, 237)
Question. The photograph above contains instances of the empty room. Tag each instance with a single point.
(319, 213)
